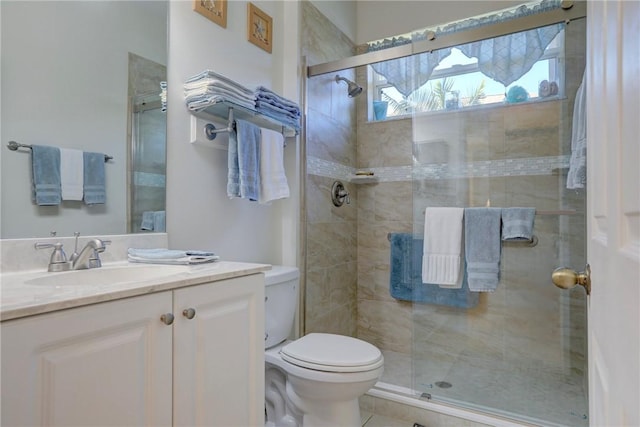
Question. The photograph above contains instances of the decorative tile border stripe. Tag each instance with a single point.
(149, 179)
(329, 169)
(528, 166)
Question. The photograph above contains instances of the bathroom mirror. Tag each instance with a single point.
(84, 75)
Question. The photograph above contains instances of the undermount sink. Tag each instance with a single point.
(108, 275)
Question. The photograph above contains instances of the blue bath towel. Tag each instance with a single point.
(233, 171)
(248, 159)
(482, 248)
(45, 163)
(95, 192)
(405, 281)
(517, 223)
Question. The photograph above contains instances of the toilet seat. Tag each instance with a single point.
(332, 353)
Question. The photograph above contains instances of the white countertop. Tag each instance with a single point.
(20, 297)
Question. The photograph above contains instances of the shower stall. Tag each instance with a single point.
(520, 351)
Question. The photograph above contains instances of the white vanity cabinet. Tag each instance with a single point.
(118, 364)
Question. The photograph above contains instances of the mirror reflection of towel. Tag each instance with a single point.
(71, 174)
(94, 179)
(45, 162)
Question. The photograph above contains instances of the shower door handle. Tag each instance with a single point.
(566, 278)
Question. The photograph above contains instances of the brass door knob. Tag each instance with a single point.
(567, 278)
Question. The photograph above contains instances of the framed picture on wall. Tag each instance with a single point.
(259, 27)
(214, 10)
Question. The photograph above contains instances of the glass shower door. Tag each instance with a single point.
(520, 350)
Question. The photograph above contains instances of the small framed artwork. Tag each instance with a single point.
(214, 10)
(259, 27)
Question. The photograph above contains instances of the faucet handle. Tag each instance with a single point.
(58, 260)
(74, 255)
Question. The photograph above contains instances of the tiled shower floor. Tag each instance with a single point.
(520, 392)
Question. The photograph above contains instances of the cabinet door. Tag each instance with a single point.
(105, 364)
(219, 354)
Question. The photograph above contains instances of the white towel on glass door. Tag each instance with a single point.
(71, 174)
(273, 181)
(442, 256)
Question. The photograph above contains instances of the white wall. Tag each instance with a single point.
(379, 19)
(199, 214)
(64, 83)
(342, 13)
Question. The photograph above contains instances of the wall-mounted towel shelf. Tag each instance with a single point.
(13, 146)
(231, 111)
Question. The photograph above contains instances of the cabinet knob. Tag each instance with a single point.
(189, 313)
(167, 318)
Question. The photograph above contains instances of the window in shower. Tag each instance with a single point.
(457, 82)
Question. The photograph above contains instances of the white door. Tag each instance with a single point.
(613, 211)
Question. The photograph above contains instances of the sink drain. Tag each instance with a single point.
(443, 384)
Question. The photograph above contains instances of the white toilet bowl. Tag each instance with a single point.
(325, 375)
(315, 380)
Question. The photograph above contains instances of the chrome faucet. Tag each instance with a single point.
(89, 256)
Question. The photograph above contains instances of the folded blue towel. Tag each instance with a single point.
(285, 119)
(45, 163)
(405, 278)
(248, 159)
(95, 192)
(517, 223)
(482, 248)
(264, 93)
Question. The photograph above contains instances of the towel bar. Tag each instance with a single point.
(13, 146)
(211, 131)
(528, 243)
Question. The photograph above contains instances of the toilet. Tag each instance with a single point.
(315, 380)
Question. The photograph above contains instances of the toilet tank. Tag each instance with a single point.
(281, 300)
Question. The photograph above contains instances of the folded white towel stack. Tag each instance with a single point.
(273, 181)
(442, 255)
(209, 88)
(71, 174)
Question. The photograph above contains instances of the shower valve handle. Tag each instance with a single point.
(339, 194)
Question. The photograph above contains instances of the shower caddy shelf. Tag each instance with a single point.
(230, 111)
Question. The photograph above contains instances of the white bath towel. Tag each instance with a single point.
(442, 255)
(273, 181)
(71, 174)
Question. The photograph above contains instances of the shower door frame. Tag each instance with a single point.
(565, 14)
(577, 10)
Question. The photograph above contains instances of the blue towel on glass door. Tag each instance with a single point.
(248, 159)
(517, 223)
(46, 175)
(405, 281)
(482, 248)
(95, 192)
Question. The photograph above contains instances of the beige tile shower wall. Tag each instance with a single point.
(526, 320)
(331, 252)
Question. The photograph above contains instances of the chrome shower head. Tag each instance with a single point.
(352, 89)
